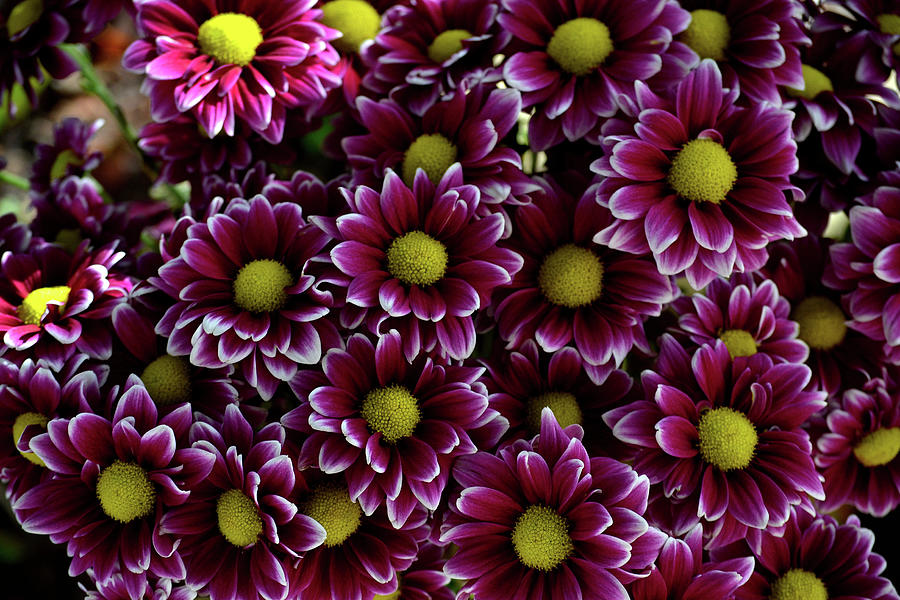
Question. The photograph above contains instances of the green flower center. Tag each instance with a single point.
(727, 438)
(125, 492)
(391, 411)
(563, 404)
(23, 15)
(18, 428)
(814, 83)
(168, 380)
(541, 538)
(416, 258)
(446, 44)
(357, 20)
(239, 520)
(230, 38)
(392, 596)
(702, 171)
(879, 447)
(433, 153)
(821, 322)
(332, 507)
(259, 286)
(69, 239)
(798, 584)
(60, 166)
(33, 306)
(890, 24)
(581, 45)
(571, 276)
(738, 342)
(708, 34)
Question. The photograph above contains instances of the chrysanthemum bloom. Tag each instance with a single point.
(682, 574)
(232, 61)
(15, 237)
(858, 453)
(241, 531)
(574, 58)
(747, 313)
(431, 48)
(723, 437)
(116, 588)
(756, 41)
(572, 289)
(69, 154)
(392, 427)
(524, 381)
(425, 579)
(243, 296)
(700, 183)
(114, 480)
(815, 558)
(542, 520)
(54, 304)
(421, 261)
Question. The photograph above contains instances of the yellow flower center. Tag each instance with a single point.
(60, 166)
(581, 45)
(571, 276)
(230, 38)
(814, 83)
(433, 153)
(563, 404)
(331, 506)
(168, 380)
(259, 286)
(391, 411)
(446, 44)
(727, 438)
(33, 306)
(822, 322)
(239, 520)
(798, 584)
(23, 15)
(18, 428)
(890, 24)
(702, 171)
(738, 342)
(541, 538)
(357, 21)
(879, 447)
(125, 492)
(392, 596)
(416, 258)
(708, 34)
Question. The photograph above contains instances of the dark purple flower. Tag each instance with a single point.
(69, 154)
(15, 237)
(156, 588)
(876, 26)
(425, 579)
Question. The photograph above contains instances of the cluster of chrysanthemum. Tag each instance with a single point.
(568, 322)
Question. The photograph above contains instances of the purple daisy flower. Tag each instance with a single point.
(747, 315)
(571, 288)
(543, 520)
(430, 48)
(116, 588)
(575, 57)
(233, 61)
(877, 24)
(700, 183)
(243, 296)
(69, 154)
(394, 428)
(723, 437)
(241, 532)
(858, 451)
(421, 261)
(425, 579)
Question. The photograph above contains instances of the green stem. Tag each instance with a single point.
(14, 180)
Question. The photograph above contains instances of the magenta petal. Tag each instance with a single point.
(92, 437)
(677, 436)
(711, 229)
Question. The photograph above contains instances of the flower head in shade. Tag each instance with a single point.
(858, 451)
(543, 520)
(14, 236)
(117, 588)
(69, 154)
(571, 289)
(724, 438)
(113, 481)
(746, 313)
(226, 62)
(425, 579)
(392, 427)
(699, 182)
(574, 58)
(241, 531)
(243, 296)
(430, 48)
(421, 260)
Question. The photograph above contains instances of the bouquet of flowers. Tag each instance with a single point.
(474, 299)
